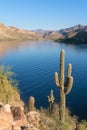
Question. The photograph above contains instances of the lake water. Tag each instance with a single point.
(35, 63)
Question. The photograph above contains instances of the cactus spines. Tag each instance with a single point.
(31, 104)
(51, 101)
(64, 88)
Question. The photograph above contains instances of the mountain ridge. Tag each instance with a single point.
(62, 35)
(13, 33)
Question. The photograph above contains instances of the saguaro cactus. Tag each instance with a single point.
(64, 87)
(51, 101)
(31, 104)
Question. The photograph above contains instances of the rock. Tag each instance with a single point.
(6, 120)
(13, 118)
(33, 117)
(19, 118)
(16, 127)
(7, 108)
(18, 103)
(31, 127)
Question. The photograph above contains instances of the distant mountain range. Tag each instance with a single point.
(74, 34)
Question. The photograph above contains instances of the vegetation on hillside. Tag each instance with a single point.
(80, 37)
(8, 86)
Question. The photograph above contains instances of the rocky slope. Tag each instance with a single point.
(13, 33)
(80, 37)
(76, 34)
(74, 29)
(14, 118)
(49, 34)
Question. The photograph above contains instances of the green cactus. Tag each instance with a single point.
(51, 101)
(31, 104)
(64, 88)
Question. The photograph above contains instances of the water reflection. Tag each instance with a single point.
(7, 46)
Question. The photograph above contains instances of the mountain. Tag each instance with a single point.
(76, 28)
(80, 37)
(76, 34)
(63, 33)
(13, 33)
(49, 34)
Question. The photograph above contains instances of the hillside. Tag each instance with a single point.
(74, 29)
(80, 37)
(76, 34)
(13, 33)
(49, 34)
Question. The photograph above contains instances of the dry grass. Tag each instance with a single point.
(82, 125)
(8, 91)
(52, 122)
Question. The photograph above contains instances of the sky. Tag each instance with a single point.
(43, 14)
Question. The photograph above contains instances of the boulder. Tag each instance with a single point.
(19, 118)
(33, 117)
(6, 120)
(7, 108)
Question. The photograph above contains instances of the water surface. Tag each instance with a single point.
(35, 63)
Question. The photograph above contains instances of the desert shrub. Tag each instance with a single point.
(82, 125)
(52, 122)
(8, 86)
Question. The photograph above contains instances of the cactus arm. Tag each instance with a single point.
(51, 101)
(69, 80)
(31, 104)
(62, 55)
(56, 79)
(69, 70)
(69, 85)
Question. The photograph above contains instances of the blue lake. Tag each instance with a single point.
(35, 63)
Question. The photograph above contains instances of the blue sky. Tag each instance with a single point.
(43, 14)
